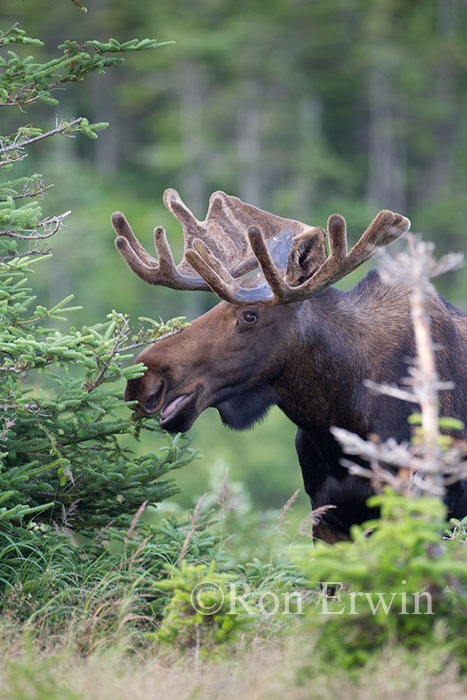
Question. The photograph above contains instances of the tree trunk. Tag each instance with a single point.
(192, 144)
(249, 148)
(438, 177)
(386, 186)
(191, 136)
(106, 148)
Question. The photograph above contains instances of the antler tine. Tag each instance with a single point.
(209, 273)
(278, 286)
(137, 258)
(123, 230)
(169, 274)
(385, 228)
(190, 225)
(201, 248)
(219, 279)
(337, 233)
(158, 272)
(328, 272)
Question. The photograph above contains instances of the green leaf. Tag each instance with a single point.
(451, 423)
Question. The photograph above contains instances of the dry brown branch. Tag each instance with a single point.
(313, 518)
(50, 227)
(423, 467)
(285, 509)
(196, 522)
(134, 522)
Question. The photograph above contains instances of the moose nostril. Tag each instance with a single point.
(131, 390)
(152, 401)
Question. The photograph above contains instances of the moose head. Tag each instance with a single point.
(247, 352)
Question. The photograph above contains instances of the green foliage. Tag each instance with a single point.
(385, 586)
(197, 616)
(23, 81)
(445, 422)
(96, 593)
(62, 413)
(75, 548)
(161, 329)
(457, 530)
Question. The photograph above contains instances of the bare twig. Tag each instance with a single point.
(53, 224)
(59, 129)
(285, 509)
(196, 522)
(421, 467)
(134, 522)
(114, 351)
(32, 193)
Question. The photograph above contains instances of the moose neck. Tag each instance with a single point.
(323, 384)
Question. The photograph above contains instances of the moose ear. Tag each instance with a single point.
(307, 254)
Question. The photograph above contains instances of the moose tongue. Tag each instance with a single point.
(170, 408)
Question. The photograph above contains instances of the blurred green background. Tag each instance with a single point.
(303, 108)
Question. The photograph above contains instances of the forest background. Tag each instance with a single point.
(302, 108)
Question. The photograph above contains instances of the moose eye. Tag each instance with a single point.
(250, 317)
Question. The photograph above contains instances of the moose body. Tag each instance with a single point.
(310, 358)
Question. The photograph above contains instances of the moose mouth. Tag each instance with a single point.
(174, 417)
(169, 409)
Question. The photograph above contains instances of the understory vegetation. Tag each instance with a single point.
(101, 595)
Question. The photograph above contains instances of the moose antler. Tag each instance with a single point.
(385, 228)
(223, 234)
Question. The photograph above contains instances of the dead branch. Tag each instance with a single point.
(423, 467)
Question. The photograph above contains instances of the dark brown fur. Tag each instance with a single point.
(310, 358)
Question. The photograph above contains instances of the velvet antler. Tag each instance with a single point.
(223, 236)
(385, 228)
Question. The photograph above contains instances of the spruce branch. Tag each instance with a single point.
(50, 226)
(23, 82)
(21, 139)
(116, 348)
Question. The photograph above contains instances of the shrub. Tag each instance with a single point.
(402, 585)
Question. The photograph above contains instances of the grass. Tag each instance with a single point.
(95, 637)
(257, 673)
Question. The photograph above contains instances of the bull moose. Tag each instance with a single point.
(285, 336)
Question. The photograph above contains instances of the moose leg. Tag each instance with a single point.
(315, 474)
(329, 535)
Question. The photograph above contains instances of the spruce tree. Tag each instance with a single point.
(68, 486)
